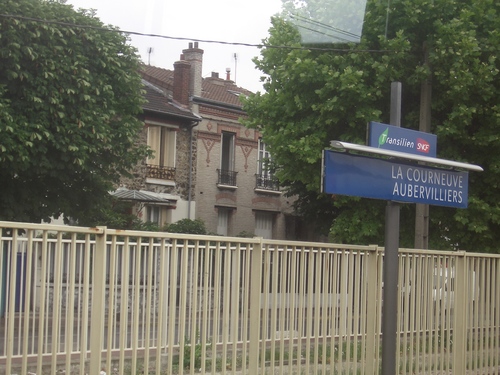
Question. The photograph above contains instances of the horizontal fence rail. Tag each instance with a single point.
(86, 300)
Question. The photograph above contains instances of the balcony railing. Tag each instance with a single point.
(161, 173)
(266, 183)
(226, 177)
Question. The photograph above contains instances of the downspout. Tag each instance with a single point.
(190, 183)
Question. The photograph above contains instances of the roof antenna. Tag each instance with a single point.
(235, 65)
(150, 51)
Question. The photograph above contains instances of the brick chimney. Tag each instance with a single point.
(194, 56)
(182, 78)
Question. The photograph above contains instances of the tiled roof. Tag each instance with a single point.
(159, 103)
(158, 76)
(221, 90)
(214, 89)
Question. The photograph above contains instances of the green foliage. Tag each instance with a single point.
(69, 100)
(245, 234)
(116, 214)
(187, 226)
(313, 96)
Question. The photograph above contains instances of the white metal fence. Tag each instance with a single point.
(86, 300)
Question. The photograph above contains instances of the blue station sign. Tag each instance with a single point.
(368, 177)
(400, 139)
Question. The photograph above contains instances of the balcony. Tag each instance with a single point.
(160, 173)
(266, 183)
(227, 178)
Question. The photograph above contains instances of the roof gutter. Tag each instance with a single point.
(193, 118)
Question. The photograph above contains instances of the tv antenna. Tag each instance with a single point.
(235, 56)
(150, 51)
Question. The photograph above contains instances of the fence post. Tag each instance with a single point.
(461, 298)
(98, 309)
(372, 282)
(255, 288)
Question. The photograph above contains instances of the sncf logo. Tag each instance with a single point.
(423, 145)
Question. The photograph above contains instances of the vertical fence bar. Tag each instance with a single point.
(496, 328)
(283, 308)
(126, 256)
(136, 302)
(192, 332)
(292, 307)
(111, 327)
(227, 303)
(460, 314)
(149, 281)
(11, 285)
(98, 306)
(308, 308)
(255, 323)
(372, 280)
(162, 300)
(85, 301)
(235, 301)
(272, 294)
(264, 308)
(56, 303)
(43, 291)
(217, 302)
(207, 286)
(70, 306)
(27, 302)
(245, 306)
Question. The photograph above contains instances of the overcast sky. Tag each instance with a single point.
(235, 21)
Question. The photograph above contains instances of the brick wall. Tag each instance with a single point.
(243, 200)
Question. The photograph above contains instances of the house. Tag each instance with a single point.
(207, 165)
(161, 187)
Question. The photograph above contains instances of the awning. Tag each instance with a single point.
(144, 196)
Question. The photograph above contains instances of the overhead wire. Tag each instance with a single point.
(322, 25)
(259, 45)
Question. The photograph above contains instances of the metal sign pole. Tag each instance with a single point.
(378, 178)
(390, 269)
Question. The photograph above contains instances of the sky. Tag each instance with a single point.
(233, 21)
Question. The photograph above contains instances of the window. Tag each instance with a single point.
(161, 164)
(153, 214)
(223, 221)
(264, 224)
(265, 178)
(264, 159)
(227, 153)
(227, 175)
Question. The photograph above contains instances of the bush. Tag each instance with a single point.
(187, 226)
(245, 234)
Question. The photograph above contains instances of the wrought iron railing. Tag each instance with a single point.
(226, 177)
(266, 183)
(160, 172)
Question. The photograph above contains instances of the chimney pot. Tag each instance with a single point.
(195, 57)
(228, 74)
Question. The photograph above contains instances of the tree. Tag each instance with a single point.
(318, 93)
(70, 94)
